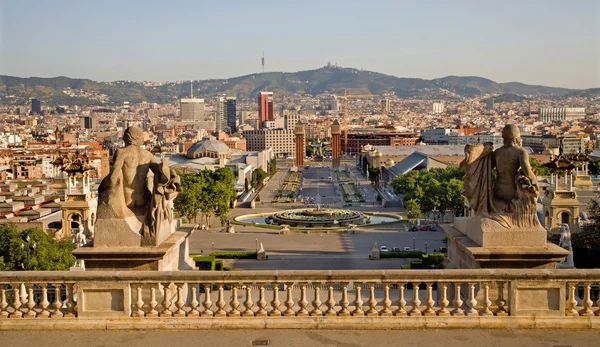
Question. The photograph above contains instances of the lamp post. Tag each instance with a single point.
(213, 247)
(256, 240)
(414, 244)
(30, 247)
(425, 247)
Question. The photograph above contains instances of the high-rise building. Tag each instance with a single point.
(265, 107)
(36, 106)
(549, 114)
(87, 122)
(221, 109)
(438, 107)
(192, 110)
(280, 140)
(291, 118)
(231, 114)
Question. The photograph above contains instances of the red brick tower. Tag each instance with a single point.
(300, 149)
(336, 131)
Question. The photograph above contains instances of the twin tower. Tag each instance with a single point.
(336, 132)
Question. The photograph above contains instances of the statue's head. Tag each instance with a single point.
(511, 135)
(133, 136)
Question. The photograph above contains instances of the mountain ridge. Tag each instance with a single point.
(332, 80)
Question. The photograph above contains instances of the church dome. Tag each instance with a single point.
(209, 146)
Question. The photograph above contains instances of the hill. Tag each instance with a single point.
(330, 80)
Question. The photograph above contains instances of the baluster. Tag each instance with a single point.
(152, 313)
(472, 302)
(302, 302)
(358, 311)
(30, 302)
(571, 301)
(386, 302)
(139, 302)
(234, 303)
(401, 302)
(57, 304)
(501, 302)
(3, 302)
(587, 301)
(344, 300)
(372, 311)
(180, 313)
(330, 303)
(485, 311)
(194, 312)
(429, 302)
(415, 302)
(220, 302)
(275, 302)
(207, 303)
(166, 304)
(44, 303)
(443, 302)
(597, 312)
(262, 303)
(17, 302)
(248, 303)
(70, 302)
(316, 303)
(289, 302)
(458, 311)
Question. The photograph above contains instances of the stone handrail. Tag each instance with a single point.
(441, 298)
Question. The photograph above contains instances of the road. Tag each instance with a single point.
(318, 184)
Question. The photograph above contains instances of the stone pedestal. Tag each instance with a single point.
(473, 244)
(171, 255)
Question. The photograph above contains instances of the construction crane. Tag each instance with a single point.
(345, 125)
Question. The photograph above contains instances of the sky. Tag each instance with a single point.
(545, 42)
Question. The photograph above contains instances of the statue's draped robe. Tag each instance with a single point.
(166, 186)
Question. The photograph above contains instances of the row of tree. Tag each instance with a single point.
(428, 190)
(206, 192)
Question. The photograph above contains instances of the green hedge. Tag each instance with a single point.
(416, 264)
(401, 254)
(204, 263)
(433, 260)
(218, 265)
(234, 255)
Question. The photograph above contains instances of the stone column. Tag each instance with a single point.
(300, 149)
(335, 144)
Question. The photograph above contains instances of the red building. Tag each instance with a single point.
(265, 108)
(357, 140)
(335, 144)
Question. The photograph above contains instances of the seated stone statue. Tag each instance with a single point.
(139, 191)
(509, 199)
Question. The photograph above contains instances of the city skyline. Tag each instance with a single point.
(549, 43)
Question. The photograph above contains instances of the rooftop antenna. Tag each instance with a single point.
(263, 62)
(191, 89)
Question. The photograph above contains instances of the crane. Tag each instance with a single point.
(345, 97)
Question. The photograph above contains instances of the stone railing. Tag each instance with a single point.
(300, 299)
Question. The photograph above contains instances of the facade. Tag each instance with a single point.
(265, 107)
(87, 122)
(357, 140)
(550, 114)
(438, 107)
(192, 109)
(291, 118)
(281, 140)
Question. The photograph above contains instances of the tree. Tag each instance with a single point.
(413, 209)
(223, 192)
(187, 202)
(272, 167)
(374, 173)
(586, 243)
(538, 168)
(258, 177)
(594, 167)
(49, 254)
(309, 151)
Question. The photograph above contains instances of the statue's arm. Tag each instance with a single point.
(526, 167)
(112, 179)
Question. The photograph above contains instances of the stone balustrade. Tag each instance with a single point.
(301, 299)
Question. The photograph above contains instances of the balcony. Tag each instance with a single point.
(377, 299)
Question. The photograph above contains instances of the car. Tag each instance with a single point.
(407, 248)
(444, 249)
(383, 249)
(424, 228)
(433, 228)
(414, 228)
(396, 249)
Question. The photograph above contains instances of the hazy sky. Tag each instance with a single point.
(555, 43)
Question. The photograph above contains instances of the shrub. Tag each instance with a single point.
(234, 255)
(433, 260)
(404, 267)
(218, 265)
(401, 254)
(204, 263)
(416, 264)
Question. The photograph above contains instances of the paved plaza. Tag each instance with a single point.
(319, 186)
(292, 338)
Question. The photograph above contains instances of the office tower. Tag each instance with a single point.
(192, 110)
(300, 149)
(36, 106)
(291, 118)
(438, 107)
(265, 107)
(549, 114)
(221, 109)
(87, 122)
(489, 105)
(336, 148)
(231, 114)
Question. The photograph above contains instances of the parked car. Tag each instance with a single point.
(383, 249)
(434, 228)
(424, 228)
(414, 228)
(444, 249)
(396, 249)
(407, 248)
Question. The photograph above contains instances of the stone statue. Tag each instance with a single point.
(139, 190)
(510, 198)
(565, 242)
(79, 238)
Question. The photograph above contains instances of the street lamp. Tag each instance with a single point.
(425, 247)
(256, 244)
(30, 247)
(213, 247)
(414, 244)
